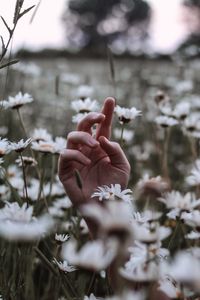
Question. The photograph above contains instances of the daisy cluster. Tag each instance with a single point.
(146, 244)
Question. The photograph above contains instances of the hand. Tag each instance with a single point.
(97, 160)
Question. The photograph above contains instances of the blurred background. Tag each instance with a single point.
(126, 26)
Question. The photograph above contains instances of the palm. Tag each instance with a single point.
(100, 172)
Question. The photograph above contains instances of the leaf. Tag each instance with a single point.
(78, 179)
(25, 11)
(4, 21)
(9, 63)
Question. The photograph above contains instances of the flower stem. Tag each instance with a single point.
(24, 177)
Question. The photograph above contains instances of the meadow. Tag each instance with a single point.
(149, 232)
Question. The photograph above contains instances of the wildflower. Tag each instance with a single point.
(179, 202)
(61, 238)
(128, 135)
(170, 287)
(64, 266)
(125, 115)
(4, 147)
(181, 110)
(140, 271)
(63, 203)
(12, 211)
(85, 106)
(191, 125)
(146, 216)
(165, 108)
(18, 224)
(60, 144)
(150, 232)
(194, 178)
(113, 219)
(191, 218)
(184, 268)
(21, 145)
(78, 117)
(41, 134)
(113, 192)
(166, 121)
(56, 212)
(4, 192)
(84, 91)
(143, 152)
(17, 183)
(193, 235)
(44, 146)
(32, 190)
(161, 96)
(27, 161)
(16, 102)
(151, 186)
(91, 297)
(95, 255)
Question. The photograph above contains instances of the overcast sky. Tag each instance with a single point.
(167, 28)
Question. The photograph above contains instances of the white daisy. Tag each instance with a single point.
(176, 200)
(113, 192)
(44, 146)
(41, 134)
(125, 115)
(4, 147)
(95, 255)
(170, 287)
(193, 235)
(86, 105)
(128, 135)
(91, 297)
(16, 102)
(191, 218)
(64, 266)
(27, 160)
(21, 145)
(84, 91)
(165, 121)
(140, 272)
(78, 117)
(194, 178)
(181, 110)
(61, 237)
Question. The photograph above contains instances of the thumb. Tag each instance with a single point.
(115, 153)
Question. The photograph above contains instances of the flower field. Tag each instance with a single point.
(147, 246)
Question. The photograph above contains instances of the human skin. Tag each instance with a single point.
(98, 160)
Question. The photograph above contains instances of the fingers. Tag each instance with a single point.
(89, 120)
(67, 156)
(115, 154)
(104, 128)
(75, 138)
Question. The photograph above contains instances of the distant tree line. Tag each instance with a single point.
(96, 23)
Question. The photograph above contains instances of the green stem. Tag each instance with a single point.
(24, 177)
(121, 138)
(21, 122)
(165, 154)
